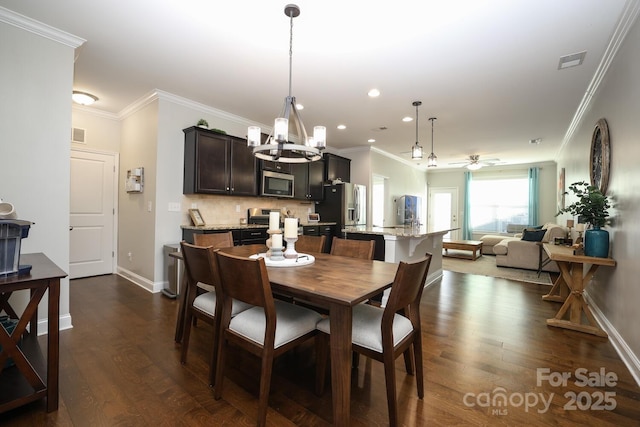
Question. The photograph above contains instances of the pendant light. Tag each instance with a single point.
(416, 150)
(432, 160)
(277, 146)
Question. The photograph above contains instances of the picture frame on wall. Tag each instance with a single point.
(561, 190)
(196, 217)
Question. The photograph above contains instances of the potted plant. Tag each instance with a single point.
(592, 207)
(203, 124)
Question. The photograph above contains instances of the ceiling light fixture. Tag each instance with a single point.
(83, 98)
(277, 146)
(416, 150)
(432, 160)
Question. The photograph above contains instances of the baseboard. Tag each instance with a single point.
(143, 282)
(65, 323)
(620, 345)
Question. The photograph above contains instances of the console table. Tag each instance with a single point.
(23, 383)
(569, 289)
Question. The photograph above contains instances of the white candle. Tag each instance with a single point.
(276, 241)
(290, 227)
(274, 220)
(579, 226)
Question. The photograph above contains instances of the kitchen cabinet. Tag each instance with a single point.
(309, 180)
(218, 164)
(241, 236)
(337, 167)
(320, 230)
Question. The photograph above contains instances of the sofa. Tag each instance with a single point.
(521, 251)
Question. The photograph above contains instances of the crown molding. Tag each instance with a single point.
(411, 163)
(626, 22)
(36, 27)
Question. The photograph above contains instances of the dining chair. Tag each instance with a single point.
(383, 334)
(268, 329)
(306, 244)
(362, 249)
(217, 240)
(201, 267)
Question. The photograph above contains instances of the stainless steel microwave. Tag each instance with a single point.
(277, 184)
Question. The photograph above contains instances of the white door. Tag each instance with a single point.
(443, 211)
(92, 222)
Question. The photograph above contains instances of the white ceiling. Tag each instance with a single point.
(488, 70)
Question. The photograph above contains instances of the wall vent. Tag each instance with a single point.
(78, 135)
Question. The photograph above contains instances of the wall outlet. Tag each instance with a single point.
(194, 206)
(237, 208)
(149, 206)
(130, 256)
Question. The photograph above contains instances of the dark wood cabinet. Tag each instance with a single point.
(308, 181)
(320, 230)
(218, 164)
(337, 167)
(241, 236)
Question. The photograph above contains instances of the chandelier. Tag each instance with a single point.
(277, 146)
(432, 160)
(416, 150)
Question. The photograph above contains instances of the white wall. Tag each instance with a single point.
(614, 291)
(35, 122)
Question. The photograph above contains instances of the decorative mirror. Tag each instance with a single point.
(599, 157)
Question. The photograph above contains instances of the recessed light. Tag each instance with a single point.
(371, 140)
(407, 119)
(374, 93)
(341, 127)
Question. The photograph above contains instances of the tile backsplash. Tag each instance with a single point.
(228, 210)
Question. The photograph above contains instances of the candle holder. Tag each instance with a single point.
(276, 254)
(290, 252)
(269, 242)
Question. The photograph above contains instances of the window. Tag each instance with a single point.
(500, 201)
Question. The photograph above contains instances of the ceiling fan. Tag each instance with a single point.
(474, 162)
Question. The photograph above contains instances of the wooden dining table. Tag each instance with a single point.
(338, 284)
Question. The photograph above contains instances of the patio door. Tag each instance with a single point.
(443, 211)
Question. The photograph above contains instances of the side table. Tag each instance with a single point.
(23, 383)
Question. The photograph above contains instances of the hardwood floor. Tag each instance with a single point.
(482, 336)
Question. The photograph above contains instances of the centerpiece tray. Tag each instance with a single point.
(302, 259)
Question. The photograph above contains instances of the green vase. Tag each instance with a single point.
(596, 242)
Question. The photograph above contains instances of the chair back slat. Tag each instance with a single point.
(362, 249)
(217, 240)
(199, 264)
(306, 244)
(408, 285)
(245, 279)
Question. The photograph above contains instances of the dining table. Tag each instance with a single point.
(337, 284)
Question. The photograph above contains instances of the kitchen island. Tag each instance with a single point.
(405, 244)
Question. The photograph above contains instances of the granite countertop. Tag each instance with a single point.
(243, 226)
(397, 231)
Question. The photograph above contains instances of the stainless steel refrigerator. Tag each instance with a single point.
(345, 203)
(408, 210)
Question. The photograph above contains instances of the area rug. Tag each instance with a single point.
(486, 266)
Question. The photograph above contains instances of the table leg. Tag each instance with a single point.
(181, 310)
(560, 290)
(53, 345)
(575, 303)
(340, 344)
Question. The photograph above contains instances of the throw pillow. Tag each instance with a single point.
(529, 235)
